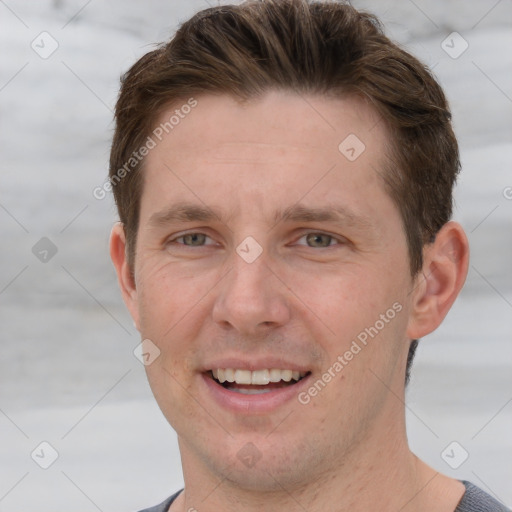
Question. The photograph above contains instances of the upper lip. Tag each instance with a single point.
(253, 364)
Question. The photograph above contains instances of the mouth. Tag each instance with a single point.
(255, 382)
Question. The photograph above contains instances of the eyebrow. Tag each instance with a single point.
(330, 213)
(188, 212)
(184, 212)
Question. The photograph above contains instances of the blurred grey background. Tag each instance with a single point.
(68, 375)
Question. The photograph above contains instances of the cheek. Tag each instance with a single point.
(363, 312)
(165, 296)
(346, 301)
(173, 308)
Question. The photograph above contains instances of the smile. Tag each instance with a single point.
(255, 382)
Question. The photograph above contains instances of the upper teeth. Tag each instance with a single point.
(259, 377)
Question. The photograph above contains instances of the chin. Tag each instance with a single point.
(263, 466)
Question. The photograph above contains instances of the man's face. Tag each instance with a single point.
(332, 277)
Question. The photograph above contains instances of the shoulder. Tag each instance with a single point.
(477, 500)
(164, 506)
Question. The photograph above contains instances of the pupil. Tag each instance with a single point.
(195, 239)
(316, 239)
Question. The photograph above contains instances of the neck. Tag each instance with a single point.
(381, 470)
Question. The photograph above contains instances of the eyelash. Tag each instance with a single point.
(318, 233)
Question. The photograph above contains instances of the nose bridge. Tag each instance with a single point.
(248, 279)
(249, 297)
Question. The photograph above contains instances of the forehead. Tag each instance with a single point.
(278, 119)
(266, 152)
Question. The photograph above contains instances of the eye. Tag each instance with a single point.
(318, 240)
(191, 240)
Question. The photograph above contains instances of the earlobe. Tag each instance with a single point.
(444, 271)
(124, 275)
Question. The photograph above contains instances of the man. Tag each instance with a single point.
(283, 175)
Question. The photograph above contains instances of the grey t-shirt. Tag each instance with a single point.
(473, 500)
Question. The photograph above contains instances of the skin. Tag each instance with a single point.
(305, 299)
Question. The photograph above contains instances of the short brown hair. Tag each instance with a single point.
(306, 47)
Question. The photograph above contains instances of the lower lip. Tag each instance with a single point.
(260, 403)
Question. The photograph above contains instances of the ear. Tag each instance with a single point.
(445, 267)
(125, 279)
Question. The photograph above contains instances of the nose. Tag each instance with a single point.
(251, 299)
